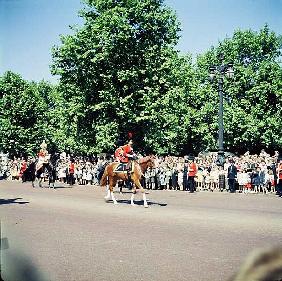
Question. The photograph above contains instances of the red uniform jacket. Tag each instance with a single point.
(127, 149)
(119, 154)
(23, 167)
(279, 171)
(192, 170)
(71, 168)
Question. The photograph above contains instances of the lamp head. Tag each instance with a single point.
(229, 70)
(212, 72)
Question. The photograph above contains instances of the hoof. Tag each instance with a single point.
(107, 199)
(146, 206)
(115, 203)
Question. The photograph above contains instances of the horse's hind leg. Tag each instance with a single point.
(111, 187)
(110, 193)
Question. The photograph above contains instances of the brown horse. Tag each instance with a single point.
(112, 176)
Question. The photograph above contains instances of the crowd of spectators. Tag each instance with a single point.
(252, 173)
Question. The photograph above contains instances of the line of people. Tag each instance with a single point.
(246, 173)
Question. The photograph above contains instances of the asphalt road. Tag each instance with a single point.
(72, 234)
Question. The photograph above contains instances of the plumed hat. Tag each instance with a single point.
(43, 145)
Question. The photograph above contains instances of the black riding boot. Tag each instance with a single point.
(128, 182)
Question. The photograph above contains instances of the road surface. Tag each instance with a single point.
(72, 234)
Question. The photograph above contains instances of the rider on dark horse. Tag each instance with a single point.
(43, 156)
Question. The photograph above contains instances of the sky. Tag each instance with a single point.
(29, 28)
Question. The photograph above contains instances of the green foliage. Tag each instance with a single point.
(118, 65)
(22, 121)
(253, 98)
(120, 72)
(30, 113)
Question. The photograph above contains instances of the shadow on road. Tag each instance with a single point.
(20, 267)
(128, 192)
(12, 201)
(55, 187)
(140, 202)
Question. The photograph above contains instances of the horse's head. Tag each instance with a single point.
(53, 159)
(147, 162)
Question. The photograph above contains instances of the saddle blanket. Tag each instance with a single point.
(121, 168)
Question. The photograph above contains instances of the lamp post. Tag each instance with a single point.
(219, 71)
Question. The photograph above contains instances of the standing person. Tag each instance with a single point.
(221, 179)
(23, 167)
(240, 178)
(232, 176)
(71, 172)
(162, 179)
(180, 180)
(274, 172)
(192, 171)
(168, 174)
(279, 177)
(262, 178)
(256, 180)
(185, 176)
(147, 178)
(153, 178)
(174, 177)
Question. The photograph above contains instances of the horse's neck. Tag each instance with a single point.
(143, 166)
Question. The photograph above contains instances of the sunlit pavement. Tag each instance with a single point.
(72, 234)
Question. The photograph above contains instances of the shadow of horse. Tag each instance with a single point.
(140, 202)
(127, 192)
(12, 201)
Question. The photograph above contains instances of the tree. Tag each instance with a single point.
(22, 122)
(115, 70)
(252, 106)
(33, 112)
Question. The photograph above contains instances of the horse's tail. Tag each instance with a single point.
(103, 181)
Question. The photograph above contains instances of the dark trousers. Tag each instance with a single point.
(231, 185)
(279, 187)
(185, 184)
(191, 184)
(71, 179)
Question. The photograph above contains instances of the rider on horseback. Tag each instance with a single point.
(125, 154)
(42, 156)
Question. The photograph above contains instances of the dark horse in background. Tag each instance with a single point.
(49, 167)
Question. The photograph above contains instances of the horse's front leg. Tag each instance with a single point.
(52, 181)
(132, 196)
(34, 181)
(108, 195)
(40, 182)
(143, 193)
(53, 184)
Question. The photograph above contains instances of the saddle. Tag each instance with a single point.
(121, 168)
